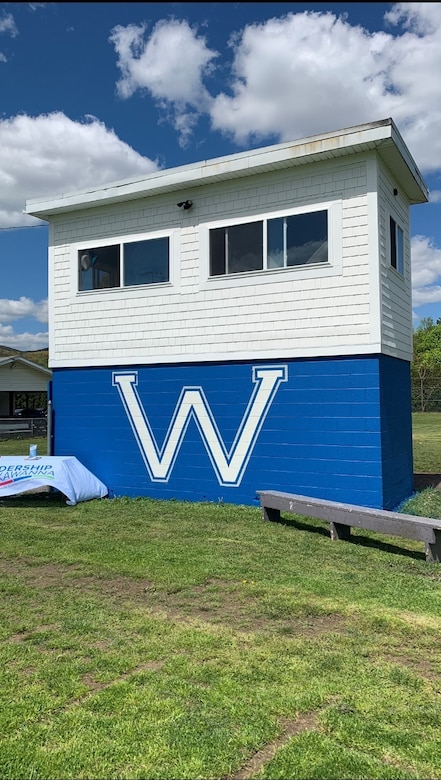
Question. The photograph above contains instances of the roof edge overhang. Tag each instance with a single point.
(17, 359)
(382, 136)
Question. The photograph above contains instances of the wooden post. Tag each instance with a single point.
(433, 550)
(340, 531)
(270, 515)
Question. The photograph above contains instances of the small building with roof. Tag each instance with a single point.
(19, 376)
(240, 324)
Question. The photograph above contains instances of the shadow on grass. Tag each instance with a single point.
(361, 540)
(56, 499)
(423, 480)
(31, 500)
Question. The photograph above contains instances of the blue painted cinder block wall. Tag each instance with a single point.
(396, 431)
(338, 429)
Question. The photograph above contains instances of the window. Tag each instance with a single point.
(282, 242)
(396, 247)
(124, 265)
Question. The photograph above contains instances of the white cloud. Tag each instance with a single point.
(297, 75)
(420, 18)
(22, 341)
(426, 271)
(169, 65)
(51, 154)
(48, 155)
(11, 310)
(294, 75)
(414, 66)
(15, 310)
(7, 24)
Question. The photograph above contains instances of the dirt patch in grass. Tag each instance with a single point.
(224, 603)
(97, 685)
(422, 667)
(23, 636)
(304, 722)
(237, 606)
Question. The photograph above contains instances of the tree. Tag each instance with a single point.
(426, 365)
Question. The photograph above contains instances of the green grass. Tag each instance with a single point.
(427, 442)
(153, 639)
(21, 446)
(427, 460)
(149, 639)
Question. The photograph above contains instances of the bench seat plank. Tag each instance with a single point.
(342, 517)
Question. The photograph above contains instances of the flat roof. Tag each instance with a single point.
(382, 136)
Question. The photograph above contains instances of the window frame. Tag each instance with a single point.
(396, 257)
(332, 267)
(173, 255)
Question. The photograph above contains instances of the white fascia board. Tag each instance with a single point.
(35, 366)
(292, 153)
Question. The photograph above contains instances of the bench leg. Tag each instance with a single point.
(340, 531)
(433, 551)
(269, 514)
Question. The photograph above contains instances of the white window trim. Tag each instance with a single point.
(129, 290)
(319, 270)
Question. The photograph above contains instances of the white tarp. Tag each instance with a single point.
(65, 473)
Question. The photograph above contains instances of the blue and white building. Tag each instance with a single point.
(240, 324)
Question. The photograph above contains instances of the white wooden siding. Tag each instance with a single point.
(395, 290)
(305, 313)
(20, 378)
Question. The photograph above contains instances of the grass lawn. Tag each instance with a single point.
(149, 639)
(21, 446)
(427, 442)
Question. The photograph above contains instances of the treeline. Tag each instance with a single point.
(426, 367)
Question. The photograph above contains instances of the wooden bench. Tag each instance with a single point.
(15, 426)
(341, 517)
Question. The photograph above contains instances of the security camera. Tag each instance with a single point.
(185, 204)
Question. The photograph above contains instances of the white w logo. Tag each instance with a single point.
(228, 465)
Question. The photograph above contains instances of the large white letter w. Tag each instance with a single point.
(228, 465)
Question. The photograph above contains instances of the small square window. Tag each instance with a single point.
(396, 246)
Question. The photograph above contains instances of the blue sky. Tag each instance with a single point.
(96, 92)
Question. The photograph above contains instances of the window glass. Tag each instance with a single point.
(236, 248)
(400, 250)
(217, 252)
(245, 247)
(307, 238)
(396, 246)
(99, 268)
(146, 262)
(393, 243)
